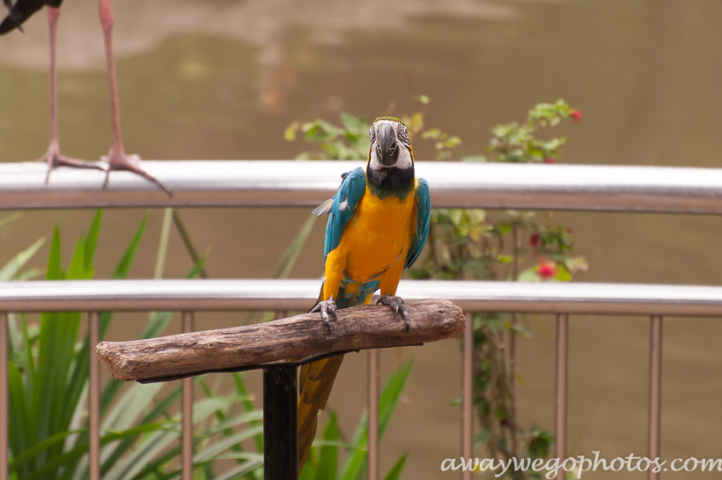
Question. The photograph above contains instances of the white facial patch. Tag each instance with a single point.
(404, 161)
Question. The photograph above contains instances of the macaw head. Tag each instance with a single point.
(390, 145)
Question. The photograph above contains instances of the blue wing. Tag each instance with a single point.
(341, 207)
(423, 220)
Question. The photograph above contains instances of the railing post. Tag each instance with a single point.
(4, 388)
(280, 423)
(560, 424)
(373, 406)
(655, 390)
(467, 396)
(94, 397)
(187, 412)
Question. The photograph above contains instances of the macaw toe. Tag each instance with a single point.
(328, 311)
(397, 304)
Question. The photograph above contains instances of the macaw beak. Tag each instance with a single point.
(386, 148)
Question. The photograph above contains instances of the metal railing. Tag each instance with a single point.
(472, 296)
(258, 183)
(294, 183)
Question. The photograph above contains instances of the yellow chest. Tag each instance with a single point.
(379, 234)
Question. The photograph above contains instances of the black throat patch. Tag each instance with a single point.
(389, 181)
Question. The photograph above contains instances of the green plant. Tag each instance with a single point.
(48, 384)
(476, 244)
(323, 462)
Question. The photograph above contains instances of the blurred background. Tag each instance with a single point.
(223, 79)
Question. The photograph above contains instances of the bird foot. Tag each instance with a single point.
(53, 159)
(397, 303)
(328, 311)
(130, 163)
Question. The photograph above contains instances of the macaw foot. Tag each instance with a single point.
(397, 303)
(328, 311)
(118, 160)
(53, 159)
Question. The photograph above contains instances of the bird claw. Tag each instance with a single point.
(397, 304)
(328, 311)
(129, 163)
(53, 159)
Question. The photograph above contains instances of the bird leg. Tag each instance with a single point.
(397, 303)
(53, 157)
(327, 309)
(117, 159)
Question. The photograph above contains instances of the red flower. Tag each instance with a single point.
(576, 115)
(549, 160)
(570, 230)
(546, 270)
(534, 240)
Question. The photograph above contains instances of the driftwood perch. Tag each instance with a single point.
(292, 338)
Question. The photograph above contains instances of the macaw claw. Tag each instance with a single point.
(328, 311)
(397, 303)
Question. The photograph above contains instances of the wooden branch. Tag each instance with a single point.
(293, 338)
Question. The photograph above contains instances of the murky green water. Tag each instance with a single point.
(222, 81)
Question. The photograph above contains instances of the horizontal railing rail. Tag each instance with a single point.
(299, 295)
(214, 183)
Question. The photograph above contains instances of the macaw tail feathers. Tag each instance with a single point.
(316, 382)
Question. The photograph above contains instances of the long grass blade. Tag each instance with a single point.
(185, 237)
(290, 255)
(8, 218)
(356, 463)
(163, 243)
(395, 472)
(57, 462)
(328, 457)
(20, 425)
(13, 266)
(247, 404)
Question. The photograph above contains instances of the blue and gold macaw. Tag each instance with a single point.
(378, 225)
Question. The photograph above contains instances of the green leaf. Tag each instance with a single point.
(76, 268)
(353, 124)
(563, 275)
(356, 462)
(290, 133)
(8, 218)
(328, 458)
(121, 271)
(395, 472)
(58, 461)
(290, 255)
(240, 470)
(30, 453)
(12, 268)
(92, 239)
(53, 271)
(152, 416)
(20, 423)
(247, 405)
(163, 243)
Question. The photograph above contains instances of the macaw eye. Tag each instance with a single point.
(403, 134)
